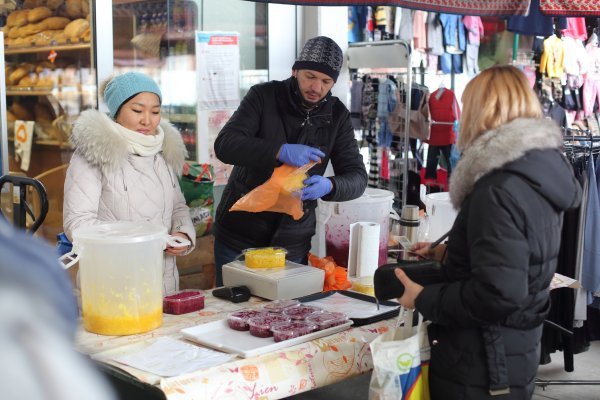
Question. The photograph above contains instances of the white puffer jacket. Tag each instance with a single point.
(106, 183)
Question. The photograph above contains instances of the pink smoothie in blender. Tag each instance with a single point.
(374, 205)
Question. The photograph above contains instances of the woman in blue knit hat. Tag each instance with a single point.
(125, 166)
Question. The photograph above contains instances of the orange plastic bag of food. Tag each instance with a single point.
(336, 278)
(281, 193)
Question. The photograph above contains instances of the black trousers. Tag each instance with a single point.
(433, 155)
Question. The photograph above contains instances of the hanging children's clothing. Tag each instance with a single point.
(455, 43)
(435, 34)
(386, 102)
(553, 57)
(403, 24)
(444, 111)
(474, 28)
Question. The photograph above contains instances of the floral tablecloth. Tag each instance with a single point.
(271, 376)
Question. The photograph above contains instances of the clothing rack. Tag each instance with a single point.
(386, 54)
(571, 135)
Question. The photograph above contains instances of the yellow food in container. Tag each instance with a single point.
(265, 257)
(103, 323)
(363, 285)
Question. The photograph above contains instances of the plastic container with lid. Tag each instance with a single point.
(277, 306)
(300, 312)
(183, 302)
(238, 320)
(364, 285)
(327, 319)
(292, 329)
(265, 257)
(121, 275)
(334, 219)
(260, 325)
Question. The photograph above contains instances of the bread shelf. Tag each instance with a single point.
(29, 92)
(43, 49)
(39, 91)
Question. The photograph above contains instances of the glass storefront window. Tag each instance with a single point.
(158, 37)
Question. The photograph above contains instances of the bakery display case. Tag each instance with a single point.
(161, 38)
(50, 78)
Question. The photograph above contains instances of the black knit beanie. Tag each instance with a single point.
(320, 54)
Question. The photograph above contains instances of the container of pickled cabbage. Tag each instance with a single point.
(265, 257)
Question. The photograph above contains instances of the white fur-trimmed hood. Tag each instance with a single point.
(497, 147)
(97, 140)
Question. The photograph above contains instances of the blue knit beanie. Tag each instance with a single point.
(123, 87)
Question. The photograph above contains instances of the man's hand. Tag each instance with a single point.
(298, 155)
(316, 187)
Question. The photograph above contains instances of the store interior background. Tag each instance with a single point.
(157, 37)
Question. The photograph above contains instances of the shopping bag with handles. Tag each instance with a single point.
(401, 361)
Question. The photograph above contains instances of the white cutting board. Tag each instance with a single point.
(218, 335)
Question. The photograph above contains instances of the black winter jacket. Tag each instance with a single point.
(268, 117)
(512, 186)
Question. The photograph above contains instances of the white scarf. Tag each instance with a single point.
(140, 144)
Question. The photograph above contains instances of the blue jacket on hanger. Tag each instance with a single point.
(454, 31)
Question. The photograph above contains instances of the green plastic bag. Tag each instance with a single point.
(197, 184)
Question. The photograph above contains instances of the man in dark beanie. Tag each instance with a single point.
(287, 122)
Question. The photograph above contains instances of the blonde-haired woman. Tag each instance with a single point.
(511, 186)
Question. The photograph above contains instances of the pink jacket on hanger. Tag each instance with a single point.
(475, 28)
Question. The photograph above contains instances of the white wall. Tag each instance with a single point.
(282, 40)
(331, 22)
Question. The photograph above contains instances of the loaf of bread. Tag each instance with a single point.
(54, 4)
(42, 113)
(38, 14)
(75, 28)
(29, 80)
(74, 8)
(19, 73)
(32, 29)
(85, 8)
(13, 33)
(54, 23)
(87, 35)
(33, 3)
(44, 66)
(10, 116)
(17, 18)
(21, 112)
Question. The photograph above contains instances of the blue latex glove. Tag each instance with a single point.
(298, 155)
(316, 187)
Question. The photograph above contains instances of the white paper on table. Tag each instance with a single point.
(559, 281)
(353, 308)
(172, 357)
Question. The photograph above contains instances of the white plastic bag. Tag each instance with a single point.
(401, 361)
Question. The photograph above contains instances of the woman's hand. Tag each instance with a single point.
(177, 251)
(411, 289)
(424, 249)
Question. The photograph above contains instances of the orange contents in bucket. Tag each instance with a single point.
(106, 324)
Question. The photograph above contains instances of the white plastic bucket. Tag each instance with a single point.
(334, 219)
(441, 214)
(121, 274)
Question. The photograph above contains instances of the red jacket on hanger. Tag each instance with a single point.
(443, 108)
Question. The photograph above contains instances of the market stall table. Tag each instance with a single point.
(274, 375)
